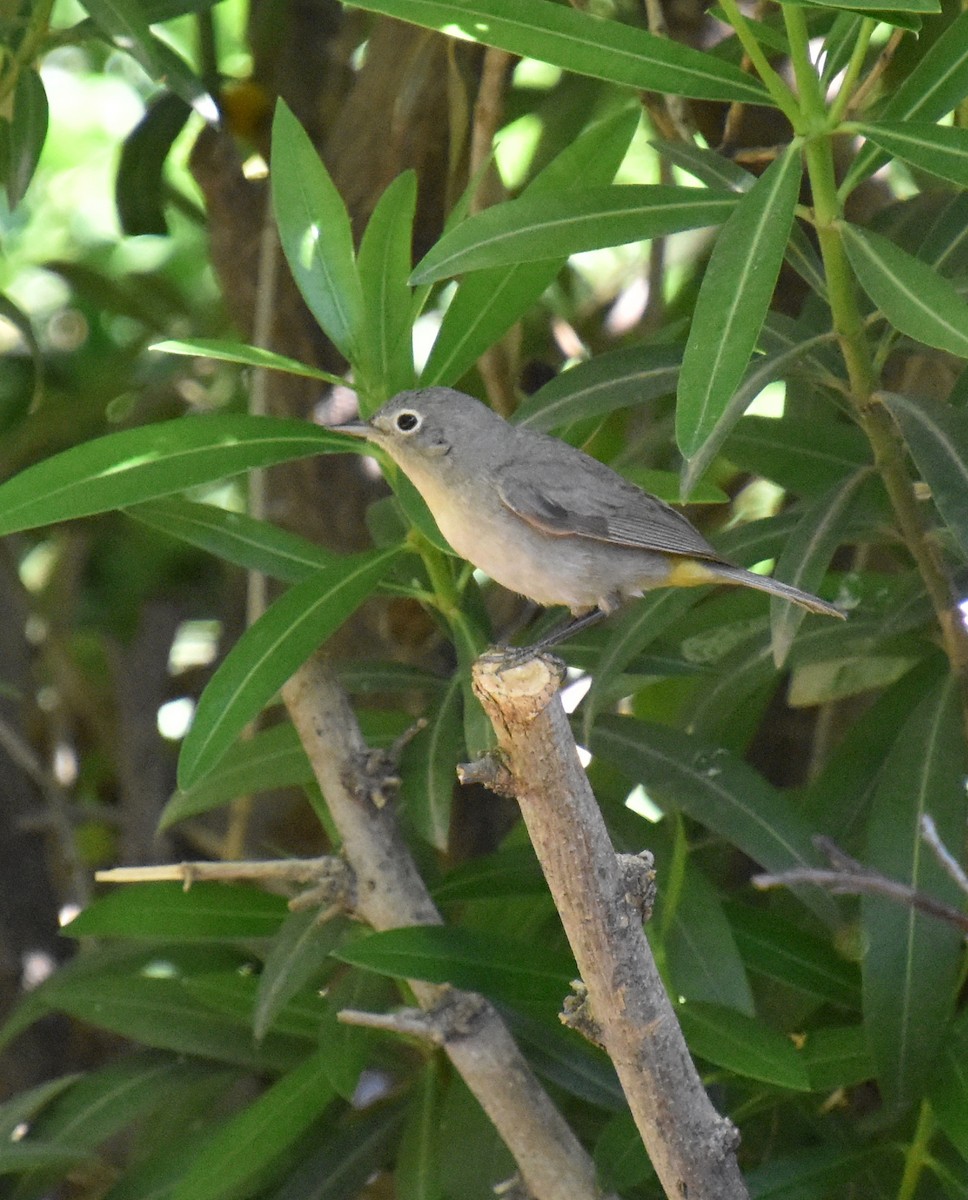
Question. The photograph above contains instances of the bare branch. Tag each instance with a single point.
(691, 1146)
(391, 894)
(848, 877)
(929, 833)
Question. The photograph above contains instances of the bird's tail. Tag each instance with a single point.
(786, 591)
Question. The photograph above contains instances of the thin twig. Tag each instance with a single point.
(859, 98)
(931, 838)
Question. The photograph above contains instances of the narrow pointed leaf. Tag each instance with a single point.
(940, 149)
(701, 957)
(806, 557)
(271, 759)
(778, 950)
(314, 229)
(948, 1090)
(252, 1140)
(933, 88)
(739, 1043)
(708, 166)
(580, 42)
(429, 767)
(713, 787)
(384, 263)
(800, 455)
(126, 468)
(619, 379)
(937, 438)
(763, 370)
(733, 300)
(207, 912)
(550, 226)
(28, 130)
(246, 356)
(415, 1175)
(299, 951)
(518, 973)
(162, 1014)
(912, 962)
(914, 298)
(487, 303)
(236, 538)
(270, 650)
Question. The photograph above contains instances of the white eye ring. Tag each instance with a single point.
(407, 421)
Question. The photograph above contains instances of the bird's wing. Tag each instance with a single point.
(575, 495)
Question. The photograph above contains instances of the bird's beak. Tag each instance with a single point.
(357, 429)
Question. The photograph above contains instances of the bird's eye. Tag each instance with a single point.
(407, 421)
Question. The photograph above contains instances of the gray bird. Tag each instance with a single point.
(543, 518)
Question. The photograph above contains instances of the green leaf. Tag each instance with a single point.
(935, 87)
(549, 226)
(802, 456)
(713, 787)
(526, 975)
(126, 468)
(619, 379)
(566, 1060)
(206, 912)
(253, 1139)
(837, 1057)
(807, 554)
(780, 951)
(140, 191)
(25, 1105)
(702, 960)
(384, 265)
(739, 1043)
(580, 42)
(415, 1175)
(236, 538)
(22, 323)
(270, 651)
(233, 994)
(125, 24)
(28, 131)
(914, 298)
(343, 1157)
(103, 1103)
(708, 166)
(429, 767)
(778, 363)
(937, 437)
(940, 149)
(620, 1158)
(512, 871)
(271, 759)
(733, 300)
(160, 1012)
(246, 356)
(912, 962)
(948, 1089)
(487, 303)
(314, 229)
(17, 1157)
(300, 950)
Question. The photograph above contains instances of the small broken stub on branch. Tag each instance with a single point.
(490, 771)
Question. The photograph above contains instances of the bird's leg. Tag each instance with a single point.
(565, 629)
(513, 655)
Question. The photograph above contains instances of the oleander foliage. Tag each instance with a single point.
(833, 1030)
